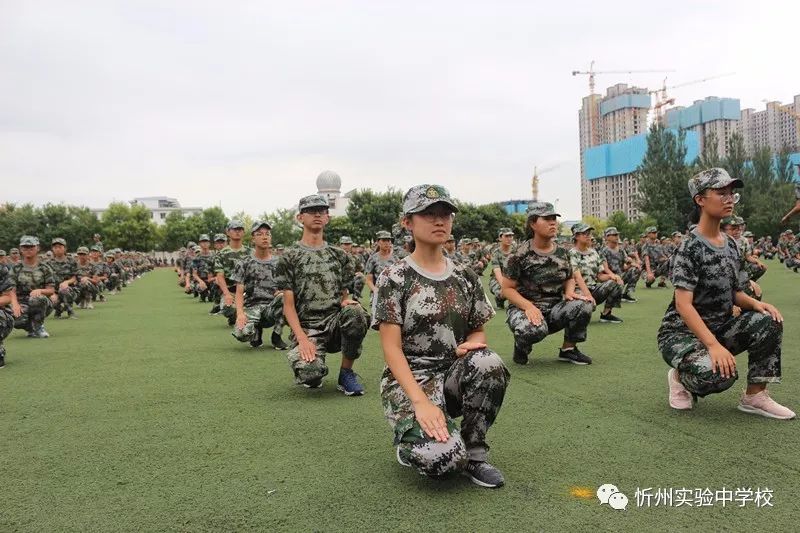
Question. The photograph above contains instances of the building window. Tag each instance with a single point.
(163, 216)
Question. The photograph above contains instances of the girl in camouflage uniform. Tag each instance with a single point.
(699, 334)
(430, 313)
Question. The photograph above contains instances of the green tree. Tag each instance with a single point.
(784, 171)
(663, 175)
(338, 227)
(128, 227)
(285, 228)
(16, 221)
(213, 221)
(709, 156)
(370, 212)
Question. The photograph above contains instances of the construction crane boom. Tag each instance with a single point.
(661, 94)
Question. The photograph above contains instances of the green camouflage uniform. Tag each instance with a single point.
(659, 262)
(375, 265)
(540, 279)
(318, 278)
(63, 270)
(85, 288)
(589, 264)
(436, 313)
(203, 265)
(26, 279)
(499, 260)
(262, 307)
(6, 316)
(616, 260)
(225, 262)
(713, 275)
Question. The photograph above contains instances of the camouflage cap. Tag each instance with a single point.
(96, 248)
(190, 244)
(344, 239)
(58, 240)
(747, 234)
(311, 201)
(713, 178)
(28, 240)
(279, 247)
(196, 249)
(258, 224)
(611, 230)
(220, 237)
(82, 250)
(787, 232)
(408, 238)
(504, 231)
(203, 237)
(541, 209)
(383, 235)
(676, 234)
(450, 238)
(2, 253)
(110, 255)
(421, 197)
(14, 251)
(464, 240)
(731, 220)
(580, 227)
(738, 220)
(651, 229)
(234, 224)
(692, 226)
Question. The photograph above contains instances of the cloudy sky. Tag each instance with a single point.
(241, 104)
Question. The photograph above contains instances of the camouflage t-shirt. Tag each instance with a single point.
(226, 259)
(318, 278)
(63, 269)
(588, 263)
(376, 264)
(499, 259)
(204, 265)
(25, 279)
(616, 259)
(436, 312)
(258, 278)
(655, 251)
(5, 279)
(712, 274)
(100, 269)
(540, 277)
(84, 271)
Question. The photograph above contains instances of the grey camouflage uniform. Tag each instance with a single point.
(589, 264)
(616, 260)
(435, 316)
(262, 307)
(714, 276)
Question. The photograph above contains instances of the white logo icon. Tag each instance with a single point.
(611, 495)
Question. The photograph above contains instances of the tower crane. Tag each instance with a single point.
(662, 100)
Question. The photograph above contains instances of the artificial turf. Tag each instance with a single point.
(145, 414)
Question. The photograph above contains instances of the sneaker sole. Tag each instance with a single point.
(604, 321)
(565, 360)
(757, 411)
(669, 389)
(482, 483)
(348, 393)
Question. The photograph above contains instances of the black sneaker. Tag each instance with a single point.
(627, 298)
(484, 475)
(662, 284)
(277, 342)
(648, 284)
(520, 357)
(574, 356)
(500, 304)
(214, 310)
(610, 319)
(257, 340)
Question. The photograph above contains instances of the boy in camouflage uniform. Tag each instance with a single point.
(699, 334)
(203, 269)
(656, 261)
(224, 264)
(592, 274)
(215, 293)
(317, 305)
(33, 283)
(430, 313)
(620, 263)
(258, 303)
(378, 261)
(65, 270)
(85, 286)
(357, 285)
(539, 284)
(499, 258)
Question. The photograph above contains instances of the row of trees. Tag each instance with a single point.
(663, 175)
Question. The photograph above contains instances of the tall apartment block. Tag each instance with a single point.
(775, 127)
(718, 116)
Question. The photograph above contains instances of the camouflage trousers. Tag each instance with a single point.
(496, 289)
(358, 286)
(343, 331)
(754, 271)
(571, 316)
(609, 292)
(84, 292)
(113, 283)
(6, 324)
(631, 277)
(261, 316)
(791, 262)
(473, 387)
(64, 299)
(660, 270)
(753, 332)
(34, 311)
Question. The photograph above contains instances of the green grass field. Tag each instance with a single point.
(145, 414)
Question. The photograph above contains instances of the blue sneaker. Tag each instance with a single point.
(348, 383)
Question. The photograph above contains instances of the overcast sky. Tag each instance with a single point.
(242, 104)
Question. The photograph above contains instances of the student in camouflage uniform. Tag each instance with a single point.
(203, 269)
(656, 261)
(505, 236)
(215, 294)
(114, 281)
(378, 261)
(539, 284)
(317, 305)
(100, 273)
(13, 256)
(592, 275)
(65, 270)
(33, 283)
(699, 334)
(733, 226)
(85, 287)
(186, 267)
(357, 285)
(430, 313)
(258, 303)
(224, 264)
(6, 314)
(620, 263)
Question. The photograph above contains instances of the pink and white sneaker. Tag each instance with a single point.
(679, 397)
(762, 404)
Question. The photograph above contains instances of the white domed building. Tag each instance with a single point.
(329, 185)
